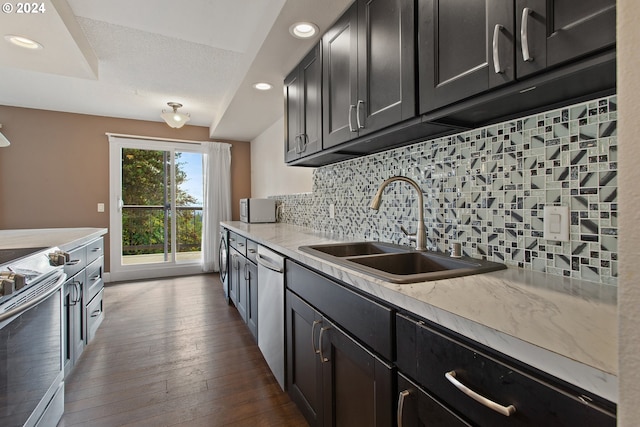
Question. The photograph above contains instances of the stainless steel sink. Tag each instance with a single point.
(399, 264)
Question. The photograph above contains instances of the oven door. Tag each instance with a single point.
(31, 358)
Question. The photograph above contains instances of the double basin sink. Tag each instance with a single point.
(399, 264)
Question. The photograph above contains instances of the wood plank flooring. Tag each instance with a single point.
(171, 352)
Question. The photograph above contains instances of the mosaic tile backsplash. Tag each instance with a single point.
(486, 188)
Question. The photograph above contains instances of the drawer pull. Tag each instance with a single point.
(313, 341)
(496, 49)
(401, 398)
(72, 262)
(322, 330)
(96, 313)
(97, 249)
(504, 410)
(524, 35)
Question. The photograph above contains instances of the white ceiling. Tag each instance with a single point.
(123, 58)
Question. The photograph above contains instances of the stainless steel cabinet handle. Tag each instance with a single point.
(503, 410)
(98, 249)
(401, 397)
(267, 264)
(304, 141)
(322, 358)
(296, 141)
(524, 35)
(96, 313)
(72, 262)
(313, 341)
(360, 102)
(351, 107)
(247, 275)
(496, 49)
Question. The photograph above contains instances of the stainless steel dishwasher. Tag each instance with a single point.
(271, 310)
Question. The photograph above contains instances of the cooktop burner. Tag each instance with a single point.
(7, 255)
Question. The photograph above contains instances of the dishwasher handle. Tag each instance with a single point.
(267, 264)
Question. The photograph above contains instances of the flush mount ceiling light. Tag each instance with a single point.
(262, 86)
(4, 142)
(173, 118)
(303, 30)
(23, 42)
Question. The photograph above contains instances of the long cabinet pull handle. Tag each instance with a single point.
(496, 49)
(351, 129)
(401, 398)
(524, 35)
(313, 341)
(360, 102)
(322, 331)
(503, 410)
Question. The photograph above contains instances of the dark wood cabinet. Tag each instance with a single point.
(234, 275)
(550, 33)
(304, 368)
(83, 310)
(333, 380)
(416, 408)
(73, 321)
(465, 48)
(243, 282)
(368, 70)
(251, 285)
(303, 107)
(480, 387)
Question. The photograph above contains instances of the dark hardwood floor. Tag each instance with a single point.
(171, 352)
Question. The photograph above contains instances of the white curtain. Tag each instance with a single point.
(217, 199)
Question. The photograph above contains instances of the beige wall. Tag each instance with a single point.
(629, 244)
(56, 169)
(269, 174)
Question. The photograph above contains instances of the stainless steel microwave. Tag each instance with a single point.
(257, 210)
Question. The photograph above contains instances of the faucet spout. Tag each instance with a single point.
(421, 233)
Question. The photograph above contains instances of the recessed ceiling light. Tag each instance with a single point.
(262, 86)
(24, 42)
(303, 30)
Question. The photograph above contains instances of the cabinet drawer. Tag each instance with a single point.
(252, 250)
(77, 261)
(95, 250)
(537, 401)
(238, 242)
(93, 283)
(94, 315)
(365, 319)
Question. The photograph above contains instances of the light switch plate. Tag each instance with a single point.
(332, 211)
(556, 223)
(100, 207)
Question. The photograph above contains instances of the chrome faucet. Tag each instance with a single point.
(420, 235)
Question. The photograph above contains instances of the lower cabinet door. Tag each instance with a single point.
(416, 408)
(357, 386)
(304, 369)
(252, 298)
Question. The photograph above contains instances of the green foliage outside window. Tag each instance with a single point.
(146, 176)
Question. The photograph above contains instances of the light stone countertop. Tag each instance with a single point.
(64, 238)
(565, 327)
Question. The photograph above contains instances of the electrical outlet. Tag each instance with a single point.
(100, 207)
(332, 211)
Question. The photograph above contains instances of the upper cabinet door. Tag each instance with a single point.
(386, 64)
(303, 107)
(368, 70)
(550, 32)
(311, 102)
(464, 48)
(292, 135)
(340, 79)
